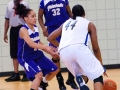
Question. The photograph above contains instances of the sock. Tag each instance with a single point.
(70, 76)
(59, 76)
(80, 80)
(44, 80)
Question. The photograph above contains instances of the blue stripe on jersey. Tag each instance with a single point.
(25, 27)
(86, 39)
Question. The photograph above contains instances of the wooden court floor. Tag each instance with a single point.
(113, 74)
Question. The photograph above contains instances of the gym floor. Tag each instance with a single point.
(113, 74)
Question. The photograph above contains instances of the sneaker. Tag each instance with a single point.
(43, 85)
(14, 77)
(24, 79)
(62, 87)
(81, 83)
(72, 84)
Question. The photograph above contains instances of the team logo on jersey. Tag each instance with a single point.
(52, 69)
(55, 6)
(38, 68)
(35, 38)
(26, 66)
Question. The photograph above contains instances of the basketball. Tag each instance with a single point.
(110, 85)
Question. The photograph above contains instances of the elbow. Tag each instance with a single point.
(49, 39)
(96, 50)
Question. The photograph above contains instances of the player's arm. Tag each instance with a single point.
(40, 18)
(68, 9)
(94, 41)
(52, 37)
(24, 35)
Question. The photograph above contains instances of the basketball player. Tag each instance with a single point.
(30, 55)
(16, 23)
(56, 12)
(74, 50)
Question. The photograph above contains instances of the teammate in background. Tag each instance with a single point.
(16, 23)
(76, 34)
(30, 55)
(56, 12)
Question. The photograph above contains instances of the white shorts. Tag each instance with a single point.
(80, 60)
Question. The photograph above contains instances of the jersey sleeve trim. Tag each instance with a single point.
(42, 4)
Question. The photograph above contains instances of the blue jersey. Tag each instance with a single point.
(54, 11)
(24, 50)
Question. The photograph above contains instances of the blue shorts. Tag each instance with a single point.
(34, 66)
(50, 30)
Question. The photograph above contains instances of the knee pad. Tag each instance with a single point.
(55, 61)
(99, 79)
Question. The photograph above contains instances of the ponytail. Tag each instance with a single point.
(21, 10)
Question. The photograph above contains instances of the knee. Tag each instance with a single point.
(99, 79)
(39, 76)
(56, 72)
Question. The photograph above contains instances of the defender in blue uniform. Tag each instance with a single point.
(30, 55)
(56, 12)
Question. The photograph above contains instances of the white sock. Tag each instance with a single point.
(44, 80)
(40, 88)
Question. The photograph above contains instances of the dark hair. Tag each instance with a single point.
(22, 10)
(78, 10)
(16, 2)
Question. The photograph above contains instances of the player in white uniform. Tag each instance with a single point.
(74, 50)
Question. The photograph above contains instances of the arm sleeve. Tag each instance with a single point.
(66, 1)
(42, 4)
(7, 16)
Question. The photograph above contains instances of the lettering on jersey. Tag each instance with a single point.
(55, 6)
(35, 38)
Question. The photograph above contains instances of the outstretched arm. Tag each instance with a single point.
(95, 46)
(24, 35)
(52, 37)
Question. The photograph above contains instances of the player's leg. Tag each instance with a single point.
(33, 71)
(49, 69)
(94, 69)
(59, 75)
(70, 81)
(98, 83)
(36, 81)
(69, 60)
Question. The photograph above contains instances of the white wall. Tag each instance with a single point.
(105, 14)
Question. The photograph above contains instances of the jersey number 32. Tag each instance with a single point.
(56, 11)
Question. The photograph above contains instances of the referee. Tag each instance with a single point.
(13, 21)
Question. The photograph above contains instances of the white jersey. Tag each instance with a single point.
(74, 32)
(15, 20)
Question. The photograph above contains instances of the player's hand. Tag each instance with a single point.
(53, 48)
(105, 74)
(52, 52)
(6, 38)
(56, 56)
(45, 32)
